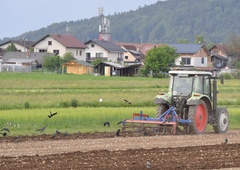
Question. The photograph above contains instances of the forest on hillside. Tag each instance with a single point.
(169, 21)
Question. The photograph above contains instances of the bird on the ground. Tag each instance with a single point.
(57, 132)
(100, 100)
(42, 129)
(66, 133)
(4, 134)
(118, 132)
(148, 164)
(54, 135)
(106, 123)
(52, 114)
(5, 129)
(123, 121)
(127, 101)
(226, 140)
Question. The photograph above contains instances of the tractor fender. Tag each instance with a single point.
(160, 101)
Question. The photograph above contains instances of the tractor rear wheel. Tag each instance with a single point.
(222, 120)
(161, 109)
(199, 118)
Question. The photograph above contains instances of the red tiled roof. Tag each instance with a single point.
(68, 40)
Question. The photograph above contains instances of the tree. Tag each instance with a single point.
(52, 63)
(11, 47)
(199, 39)
(233, 49)
(159, 59)
(68, 56)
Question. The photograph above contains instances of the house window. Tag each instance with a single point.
(215, 52)
(49, 42)
(80, 53)
(76, 52)
(42, 50)
(92, 45)
(202, 60)
(56, 52)
(186, 61)
(98, 55)
(126, 57)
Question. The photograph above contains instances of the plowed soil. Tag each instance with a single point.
(107, 151)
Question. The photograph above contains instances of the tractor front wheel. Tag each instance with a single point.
(222, 120)
(162, 108)
(199, 118)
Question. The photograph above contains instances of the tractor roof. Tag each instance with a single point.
(188, 72)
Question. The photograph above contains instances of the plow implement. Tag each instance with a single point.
(167, 123)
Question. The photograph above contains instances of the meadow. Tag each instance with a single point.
(26, 100)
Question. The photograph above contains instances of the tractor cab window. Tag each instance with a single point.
(198, 84)
(182, 85)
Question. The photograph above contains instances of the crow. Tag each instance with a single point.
(123, 121)
(66, 133)
(127, 101)
(118, 132)
(42, 129)
(106, 123)
(57, 132)
(226, 140)
(5, 129)
(4, 134)
(52, 114)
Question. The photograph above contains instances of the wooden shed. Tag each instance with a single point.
(77, 67)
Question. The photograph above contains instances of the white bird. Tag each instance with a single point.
(100, 100)
(148, 164)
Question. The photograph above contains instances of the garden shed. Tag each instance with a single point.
(77, 67)
(114, 69)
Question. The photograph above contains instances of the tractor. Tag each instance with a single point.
(189, 105)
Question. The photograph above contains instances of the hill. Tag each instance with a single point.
(165, 22)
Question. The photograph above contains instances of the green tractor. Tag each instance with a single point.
(193, 94)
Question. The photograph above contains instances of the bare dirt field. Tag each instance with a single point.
(106, 151)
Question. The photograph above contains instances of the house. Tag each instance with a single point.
(219, 56)
(132, 54)
(22, 45)
(39, 57)
(61, 44)
(195, 55)
(136, 52)
(114, 69)
(77, 67)
(106, 50)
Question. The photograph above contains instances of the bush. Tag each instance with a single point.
(228, 76)
(26, 105)
(64, 104)
(74, 103)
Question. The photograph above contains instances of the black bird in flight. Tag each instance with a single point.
(106, 123)
(5, 129)
(118, 132)
(127, 101)
(42, 129)
(52, 114)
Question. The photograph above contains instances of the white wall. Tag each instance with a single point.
(58, 46)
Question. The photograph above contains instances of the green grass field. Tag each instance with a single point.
(26, 99)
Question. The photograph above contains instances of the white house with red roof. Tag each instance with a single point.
(61, 44)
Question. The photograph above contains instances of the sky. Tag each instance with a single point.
(20, 16)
